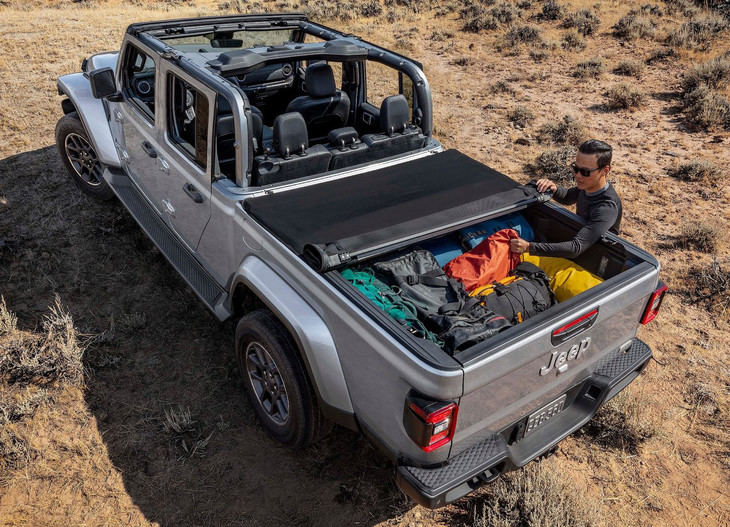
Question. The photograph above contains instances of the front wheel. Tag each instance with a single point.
(79, 157)
(275, 380)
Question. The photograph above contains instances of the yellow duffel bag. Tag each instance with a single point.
(567, 278)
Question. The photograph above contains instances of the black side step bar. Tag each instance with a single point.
(177, 254)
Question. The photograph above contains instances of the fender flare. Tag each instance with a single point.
(314, 339)
(93, 115)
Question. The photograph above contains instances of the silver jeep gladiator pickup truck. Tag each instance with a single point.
(250, 151)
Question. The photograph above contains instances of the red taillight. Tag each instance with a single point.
(431, 424)
(655, 302)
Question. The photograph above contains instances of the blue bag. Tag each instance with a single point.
(476, 234)
(443, 249)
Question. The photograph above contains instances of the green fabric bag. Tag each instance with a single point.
(388, 299)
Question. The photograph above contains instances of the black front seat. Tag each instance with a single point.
(326, 107)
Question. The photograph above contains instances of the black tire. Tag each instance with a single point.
(282, 399)
(79, 157)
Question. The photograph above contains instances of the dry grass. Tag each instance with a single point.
(572, 41)
(624, 424)
(535, 496)
(56, 356)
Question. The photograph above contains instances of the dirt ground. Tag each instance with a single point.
(100, 451)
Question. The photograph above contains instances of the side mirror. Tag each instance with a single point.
(102, 82)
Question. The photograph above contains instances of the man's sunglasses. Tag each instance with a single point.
(585, 172)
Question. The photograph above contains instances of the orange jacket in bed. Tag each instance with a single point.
(489, 261)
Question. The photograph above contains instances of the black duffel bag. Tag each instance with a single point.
(441, 302)
(520, 296)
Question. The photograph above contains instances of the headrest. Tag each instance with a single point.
(320, 80)
(342, 136)
(394, 114)
(290, 134)
(226, 42)
(225, 125)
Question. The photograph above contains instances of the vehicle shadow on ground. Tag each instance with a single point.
(162, 382)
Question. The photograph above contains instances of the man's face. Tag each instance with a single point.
(595, 178)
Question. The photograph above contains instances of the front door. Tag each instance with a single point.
(137, 114)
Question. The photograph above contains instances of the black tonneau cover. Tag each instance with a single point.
(339, 221)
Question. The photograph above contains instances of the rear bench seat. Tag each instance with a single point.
(397, 135)
(292, 157)
(346, 148)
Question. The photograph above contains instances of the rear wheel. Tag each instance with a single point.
(275, 380)
(79, 157)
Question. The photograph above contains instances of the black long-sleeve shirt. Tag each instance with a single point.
(601, 211)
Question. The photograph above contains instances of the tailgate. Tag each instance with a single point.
(529, 371)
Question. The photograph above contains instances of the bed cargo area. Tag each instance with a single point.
(424, 246)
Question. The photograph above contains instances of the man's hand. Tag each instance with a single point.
(518, 245)
(545, 185)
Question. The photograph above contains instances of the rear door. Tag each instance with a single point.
(185, 150)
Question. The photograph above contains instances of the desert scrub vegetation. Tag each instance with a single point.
(32, 368)
(185, 432)
(535, 496)
(567, 130)
(705, 109)
(629, 68)
(661, 55)
(711, 286)
(523, 34)
(477, 17)
(592, 67)
(55, 356)
(702, 170)
(699, 32)
(624, 96)
(520, 116)
(634, 25)
(585, 21)
(551, 10)
(572, 41)
(623, 423)
(554, 164)
(704, 236)
(715, 74)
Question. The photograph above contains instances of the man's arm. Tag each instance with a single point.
(566, 196)
(602, 217)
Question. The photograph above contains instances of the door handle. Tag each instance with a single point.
(191, 191)
(147, 147)
(168, 207)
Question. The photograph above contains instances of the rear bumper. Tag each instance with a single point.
(484, 462)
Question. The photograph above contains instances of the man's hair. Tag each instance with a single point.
(594, 146)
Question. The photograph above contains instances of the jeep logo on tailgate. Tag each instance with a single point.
(559, 360)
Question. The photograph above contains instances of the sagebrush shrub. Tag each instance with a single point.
(699, 32)
(592, 67)
(568, 130)
(701, 235)
(585, 21)
(624, 97)
(629, 68)
(705, 109)
(634, 25)
(555, 164)
(698, 170)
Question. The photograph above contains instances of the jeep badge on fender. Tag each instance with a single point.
(559, 360)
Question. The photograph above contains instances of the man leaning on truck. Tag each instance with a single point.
(596, 202)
